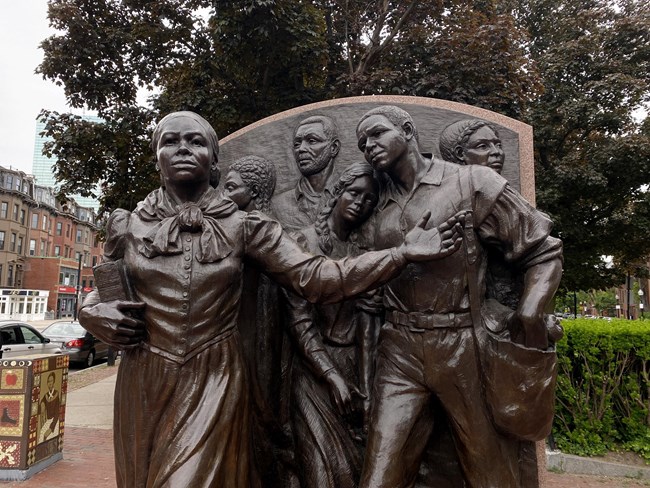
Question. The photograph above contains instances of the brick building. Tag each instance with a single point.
(45, 245)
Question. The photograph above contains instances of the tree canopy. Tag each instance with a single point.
(575, 70)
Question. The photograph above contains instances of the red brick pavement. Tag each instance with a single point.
(88, 462)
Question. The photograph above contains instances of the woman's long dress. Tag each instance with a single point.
(181, 400)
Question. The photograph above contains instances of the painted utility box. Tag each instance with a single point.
(33, 392)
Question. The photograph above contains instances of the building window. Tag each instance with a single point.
(59, 228)
(4, 208)
(19, 184)
(77, 256)
(57, 250)
(9, 182)
(44, 224)
(22, 217)
(67, 231)
(2, 239)
(34, 221)
(32, 247)
(16, 212)
(10, 275)
(12, 247)
(20, 245)
(94, 260)
(79, 235)
(42, 248)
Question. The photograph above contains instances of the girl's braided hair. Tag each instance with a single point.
(457, 134)
(259, 173)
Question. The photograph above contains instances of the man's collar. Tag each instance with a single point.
(435, 172)
(432, 176)
(304, 188)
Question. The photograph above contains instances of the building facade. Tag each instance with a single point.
(42, 165)
(45, 245)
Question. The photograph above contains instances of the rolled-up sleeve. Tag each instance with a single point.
(519, 231)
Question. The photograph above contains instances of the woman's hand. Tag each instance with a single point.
(341, 392)
(436, 243)
(113, 323)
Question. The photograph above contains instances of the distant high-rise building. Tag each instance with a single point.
(42, 166)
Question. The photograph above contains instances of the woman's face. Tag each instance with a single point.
(237, 190)
(484, 148)
(357, 202)
(183, 153)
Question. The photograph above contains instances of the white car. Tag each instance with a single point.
(19, 339)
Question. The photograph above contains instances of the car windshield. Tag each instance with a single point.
(65, 329)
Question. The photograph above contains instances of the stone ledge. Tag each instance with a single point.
(568, 463)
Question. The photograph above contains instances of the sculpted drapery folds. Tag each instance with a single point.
(182, 400)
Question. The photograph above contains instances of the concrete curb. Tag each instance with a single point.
(568, 463)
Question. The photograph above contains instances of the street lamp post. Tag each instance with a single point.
(641, 301)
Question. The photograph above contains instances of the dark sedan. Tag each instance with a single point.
(77, 342)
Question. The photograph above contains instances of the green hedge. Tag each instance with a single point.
(603, 387)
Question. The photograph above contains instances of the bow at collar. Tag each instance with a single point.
(203, 216)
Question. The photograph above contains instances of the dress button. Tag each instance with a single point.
(187, 248)
(184, 293)
(189, 239)
(184, 306)
(187, 266)
(187, 258)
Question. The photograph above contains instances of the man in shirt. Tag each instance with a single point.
(315, 146)
(428, 348)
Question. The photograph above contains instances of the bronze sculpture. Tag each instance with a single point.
(181, 401)
(315, 146)
(472, 141)
(432, 346)
(250, 183)
(336, 343)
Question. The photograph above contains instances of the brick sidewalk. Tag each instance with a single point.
(87, 462)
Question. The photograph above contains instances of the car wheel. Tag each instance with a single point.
(90, 359)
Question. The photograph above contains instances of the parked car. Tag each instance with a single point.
(19, 339)
(81, 345)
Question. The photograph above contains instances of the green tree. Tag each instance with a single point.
(592, 157)
(238, 61)
(575, 70)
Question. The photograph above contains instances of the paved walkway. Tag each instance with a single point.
(88, 459)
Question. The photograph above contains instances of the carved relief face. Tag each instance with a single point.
(483, 148)
(381, 142)
(357, 202)
(312, 149)
(238, 191)
(183, 152)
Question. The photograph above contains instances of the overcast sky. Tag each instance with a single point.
(23, 25)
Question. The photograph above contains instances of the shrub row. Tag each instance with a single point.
(603, 387)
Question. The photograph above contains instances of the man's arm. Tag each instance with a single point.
(540, 284)
(522, 234)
